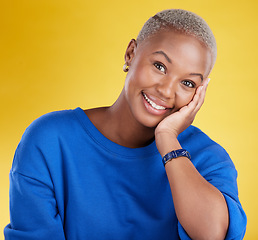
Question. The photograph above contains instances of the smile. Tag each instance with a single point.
(153, 104)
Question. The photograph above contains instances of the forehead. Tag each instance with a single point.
(181, 48)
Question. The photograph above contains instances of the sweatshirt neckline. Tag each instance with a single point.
(111, 146)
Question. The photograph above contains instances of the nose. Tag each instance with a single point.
(166, 87)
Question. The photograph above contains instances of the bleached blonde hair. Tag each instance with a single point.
(182, 21)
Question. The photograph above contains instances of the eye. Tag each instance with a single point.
(188, 83)
(160, 67)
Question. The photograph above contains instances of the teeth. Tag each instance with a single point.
(153, 104)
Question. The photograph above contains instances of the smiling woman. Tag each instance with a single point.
(136, 169)
(166, 69)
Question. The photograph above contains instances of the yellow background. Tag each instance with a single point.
(59, 54)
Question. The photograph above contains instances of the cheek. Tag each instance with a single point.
(139, 78)
(183, 98)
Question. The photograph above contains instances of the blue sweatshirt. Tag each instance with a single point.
(68, 181)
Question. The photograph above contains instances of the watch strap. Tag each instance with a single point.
(175, 154)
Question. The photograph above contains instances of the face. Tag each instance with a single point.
(164, 73)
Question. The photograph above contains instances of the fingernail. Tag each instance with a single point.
(209, 80)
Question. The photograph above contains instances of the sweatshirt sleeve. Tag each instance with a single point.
(33, 207)
(215, 165)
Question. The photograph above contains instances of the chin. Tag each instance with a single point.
(149, 122)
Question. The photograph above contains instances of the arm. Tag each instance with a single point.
(200, 207)
(34, 212)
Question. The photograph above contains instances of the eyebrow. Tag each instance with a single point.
(169, 60)
(164, 54)
(197, 74)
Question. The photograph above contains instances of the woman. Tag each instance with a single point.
(136, 169)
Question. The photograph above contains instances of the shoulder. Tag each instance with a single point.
(43, 138)
(206, 153)
(49, 126)
(51, 121)
(193, 135)
(197, 140)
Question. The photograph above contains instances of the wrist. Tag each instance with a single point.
(166, 142)
(165, 132)
(175, 154)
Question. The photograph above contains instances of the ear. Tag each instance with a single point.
(130, 51)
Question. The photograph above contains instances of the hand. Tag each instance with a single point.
(169, 128)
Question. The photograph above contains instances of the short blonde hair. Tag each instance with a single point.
(183, 21)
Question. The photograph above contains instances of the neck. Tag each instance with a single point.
(130, 132)
(119, 125)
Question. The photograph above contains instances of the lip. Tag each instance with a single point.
(158, 102)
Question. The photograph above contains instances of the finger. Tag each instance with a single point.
(198, 99)
(202, 94)
(205, 86)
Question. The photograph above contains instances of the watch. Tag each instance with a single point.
(175, 154)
